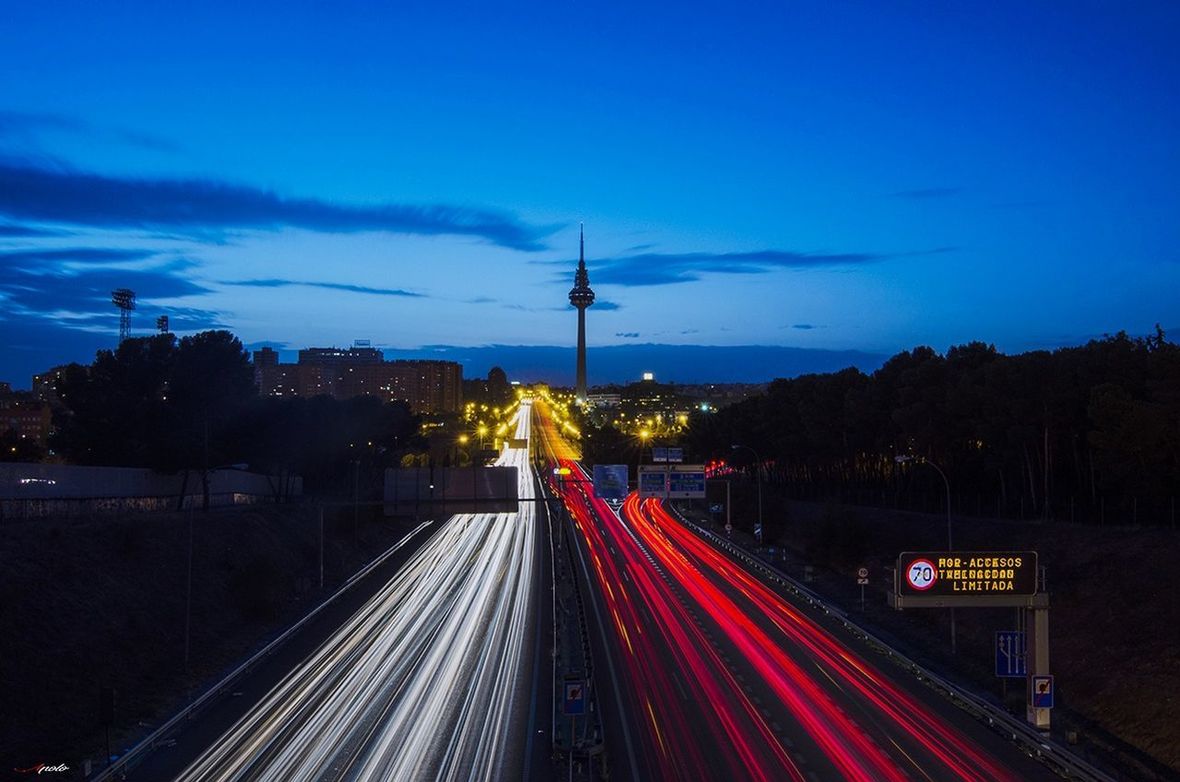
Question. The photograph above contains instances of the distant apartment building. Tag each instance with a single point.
(427, 386)
(22, 413)
(45, 384)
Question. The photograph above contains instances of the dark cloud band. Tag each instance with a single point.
(80, 198)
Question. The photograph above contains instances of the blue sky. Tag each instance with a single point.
(823, 176)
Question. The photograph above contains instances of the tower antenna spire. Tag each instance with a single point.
(581, 243)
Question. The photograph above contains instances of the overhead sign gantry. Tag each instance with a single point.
(985, 579)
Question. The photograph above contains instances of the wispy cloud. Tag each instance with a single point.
(95, 255)
(928, 192)
(61, 195)
(24, 124)
(335, 286)
(14, 231)
(670, 268)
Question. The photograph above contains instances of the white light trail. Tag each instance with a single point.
(422, 682)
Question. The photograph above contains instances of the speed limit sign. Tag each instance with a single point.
(921, 574)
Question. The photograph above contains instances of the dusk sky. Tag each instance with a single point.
(828, 176)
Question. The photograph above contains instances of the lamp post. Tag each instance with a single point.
(950, 541)
(643, 438)
(462, 448)
(758, 476)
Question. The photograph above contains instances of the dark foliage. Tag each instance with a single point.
(1090, 433)
(191, 405)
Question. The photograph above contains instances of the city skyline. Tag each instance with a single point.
(799, 179)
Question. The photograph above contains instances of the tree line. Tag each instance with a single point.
(1089, 433)
(191, 405)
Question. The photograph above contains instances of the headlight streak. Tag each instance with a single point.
(422, 682)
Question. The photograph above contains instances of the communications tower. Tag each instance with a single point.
(581, 297)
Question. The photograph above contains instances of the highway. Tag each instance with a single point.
(718, 676)
(432, 679)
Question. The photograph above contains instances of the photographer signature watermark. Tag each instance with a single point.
(41, 768)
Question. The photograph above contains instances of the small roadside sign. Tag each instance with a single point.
(862, 575)
(573, 703)
(1010, 654)
(1042, 692)
(861, 581)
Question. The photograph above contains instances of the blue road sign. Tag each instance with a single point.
(1042, 692)
(1010, 654)
(687, 483)
(610, 481)
(652, 482)
(573, 702)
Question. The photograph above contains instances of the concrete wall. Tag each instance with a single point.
(49, 489)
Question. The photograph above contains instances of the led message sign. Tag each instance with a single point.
(967, 573)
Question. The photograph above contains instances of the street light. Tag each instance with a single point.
(950, 541)
(902, 459)
(758, 476)
(644, 435)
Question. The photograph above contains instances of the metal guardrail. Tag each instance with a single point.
(1052, 754)
(128, 761)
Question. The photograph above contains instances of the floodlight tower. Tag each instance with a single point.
(581, 297)
(124, 299)
(162, 324)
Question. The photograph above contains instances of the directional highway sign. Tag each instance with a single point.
(610, 481)
(672, 481)
(687, 481)
(1010, 654)
(653, 481)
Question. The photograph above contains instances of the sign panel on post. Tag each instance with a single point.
(1010, 651)
(967, 573)
(667, 454)
(1042, 692)
(573, 702)
(610, 481)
